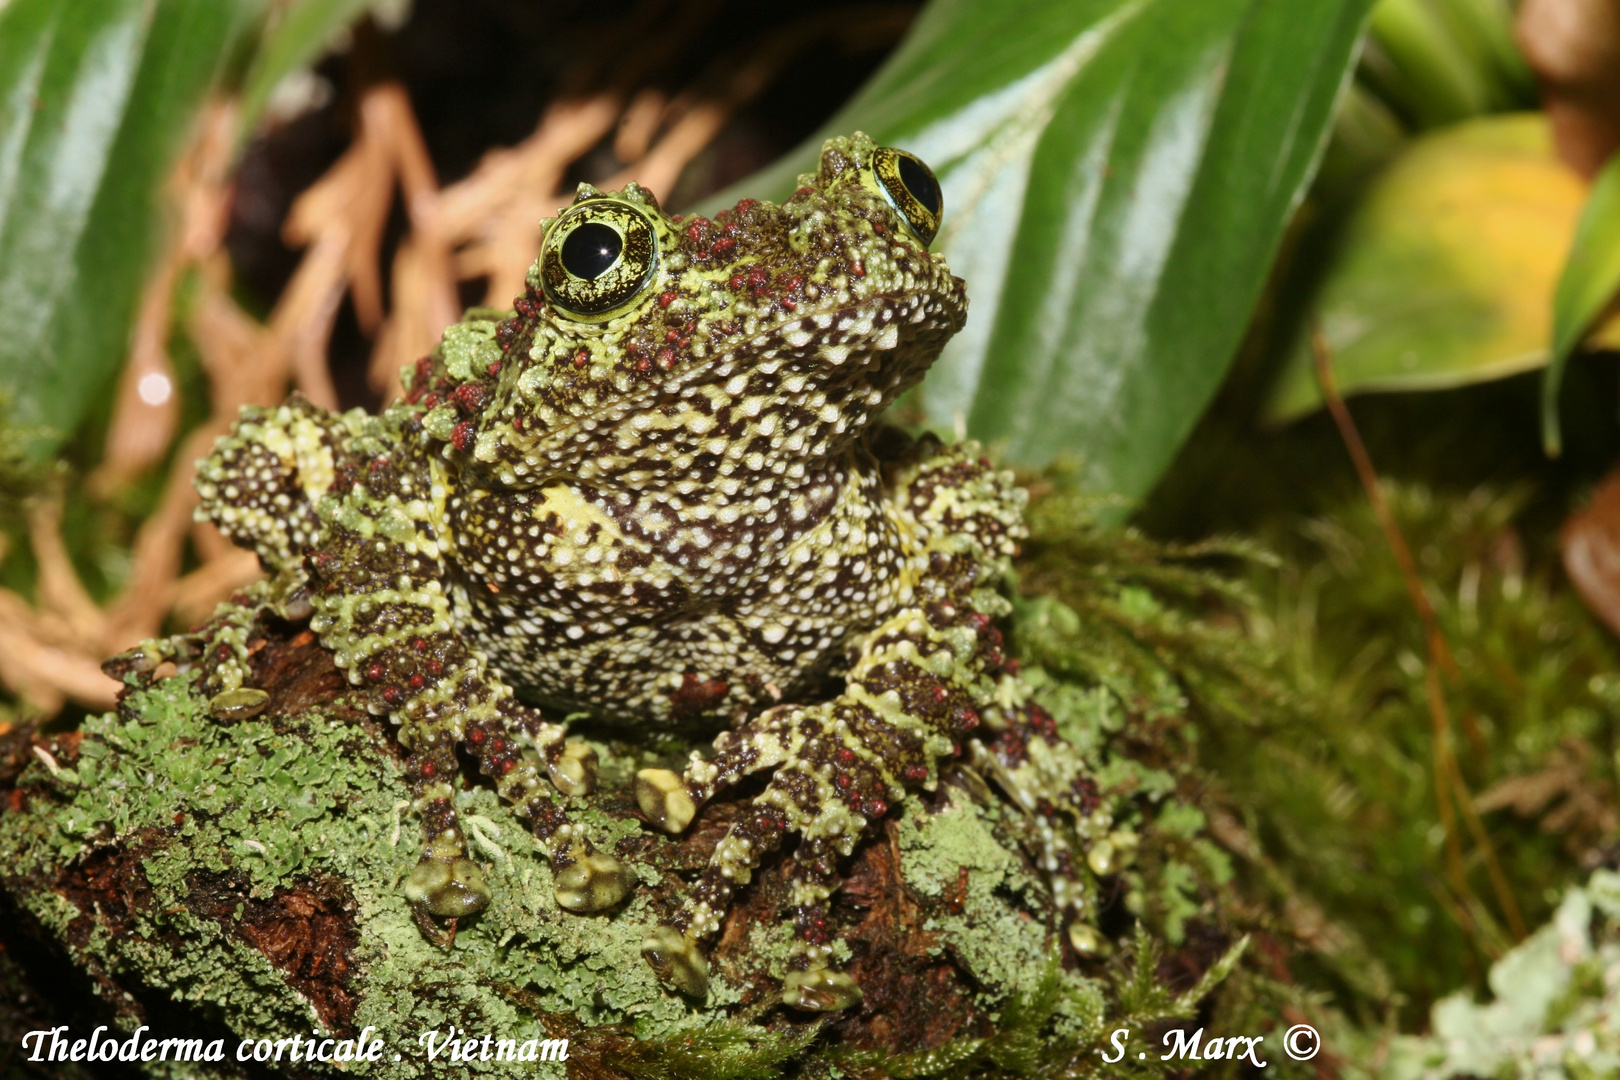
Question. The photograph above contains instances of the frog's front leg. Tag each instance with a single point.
(381, 603)
(839, 765)
(929, 685)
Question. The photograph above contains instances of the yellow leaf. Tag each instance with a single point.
(1445, 271)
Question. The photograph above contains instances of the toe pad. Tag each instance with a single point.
(663, 797)
(592, 883)
(448, 888)
(677, 960)
(820, 990)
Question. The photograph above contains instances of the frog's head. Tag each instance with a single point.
(652, 349)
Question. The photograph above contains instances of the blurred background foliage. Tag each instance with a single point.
(1187, 225)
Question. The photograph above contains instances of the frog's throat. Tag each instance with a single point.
(809, 384)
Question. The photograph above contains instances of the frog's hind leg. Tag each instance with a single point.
(260, 485)
(670, 800)
(262, 482)
(1045, 776)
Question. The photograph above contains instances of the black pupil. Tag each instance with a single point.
(591, 250)
(921, 183)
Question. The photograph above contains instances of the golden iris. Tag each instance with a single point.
(912, 188)
(598, 258)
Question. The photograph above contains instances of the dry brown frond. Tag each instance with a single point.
(1562, 795)
(147, 406)
(44, 673)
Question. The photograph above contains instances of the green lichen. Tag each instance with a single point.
(313, 800)
(1555, 1003)
(996, 928)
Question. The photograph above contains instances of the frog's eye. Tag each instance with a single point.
(597, 258)
(911, 188)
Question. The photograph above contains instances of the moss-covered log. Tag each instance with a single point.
(225, 878)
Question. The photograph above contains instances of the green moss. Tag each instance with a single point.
(1341, 793)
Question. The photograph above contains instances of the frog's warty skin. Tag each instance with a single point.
(655, 492)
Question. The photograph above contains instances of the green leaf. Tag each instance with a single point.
(1443, 275)
(1587, 287)
(1442, 61)
(301, 32)
(96, 100)
(1485, 30)
(1415, 63)
(1117, 175)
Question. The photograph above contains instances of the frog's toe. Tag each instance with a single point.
(676, 959)
(663, 797)
(573, 772)
(298, 606)
(592, 883)
(242, 703)
(818, 990)
(1085, 939)
(448, 888)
